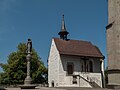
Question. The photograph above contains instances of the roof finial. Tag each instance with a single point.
(63, 24)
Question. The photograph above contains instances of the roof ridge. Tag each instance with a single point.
(73, 40)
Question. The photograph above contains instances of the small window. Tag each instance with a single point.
(70, 68)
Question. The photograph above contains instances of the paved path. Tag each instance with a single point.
(41, 88)
(46, 88)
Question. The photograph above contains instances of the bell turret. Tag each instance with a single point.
(63, 33)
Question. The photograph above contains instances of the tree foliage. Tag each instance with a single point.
(15, 69)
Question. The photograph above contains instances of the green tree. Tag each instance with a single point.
(15, 69)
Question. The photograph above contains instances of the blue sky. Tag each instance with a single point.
(40, 20)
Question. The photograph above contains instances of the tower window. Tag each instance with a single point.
(117, 36)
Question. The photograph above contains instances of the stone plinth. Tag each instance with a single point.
(28, 80)
(27, 86)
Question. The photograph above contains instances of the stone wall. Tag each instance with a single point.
(113, 34)
(113, 41)
(53, 65)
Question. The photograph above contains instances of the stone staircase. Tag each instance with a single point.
(91, 80)
(94, 85)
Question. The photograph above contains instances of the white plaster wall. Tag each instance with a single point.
(53, 65)
(66, 81)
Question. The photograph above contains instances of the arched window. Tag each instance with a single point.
(82, 68)
(91, 66)
(87, 68)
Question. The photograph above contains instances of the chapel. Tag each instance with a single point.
(74, 63)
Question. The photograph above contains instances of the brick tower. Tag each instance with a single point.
(113, 43)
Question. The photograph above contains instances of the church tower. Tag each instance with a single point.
(63, 33)
(113, 43)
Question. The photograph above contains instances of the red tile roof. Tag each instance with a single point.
(77, 47)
